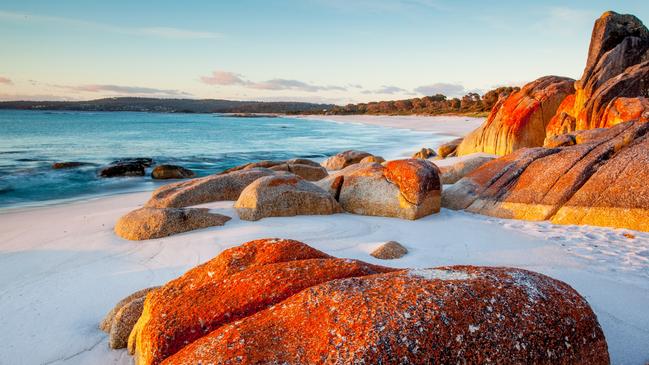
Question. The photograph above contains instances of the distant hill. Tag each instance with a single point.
(168, 105)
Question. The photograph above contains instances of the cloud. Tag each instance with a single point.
(6, 81)
(126, 90)
(230, 78)
(158, 31)
(442, 88)
(387, 89)
(223, 78)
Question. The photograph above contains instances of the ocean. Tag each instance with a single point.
(30, 141)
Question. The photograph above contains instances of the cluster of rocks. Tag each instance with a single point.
(132, 167)
(281, 301)
(407, 189)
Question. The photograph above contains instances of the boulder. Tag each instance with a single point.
(171, 172)
(283, 196)
(389, 251)
(424, 153)
(448, 148)
(344, 159)
(596, 182)
(148, 223)
(236, 284)
(304, 168)
(370, 159)
(452, 173)
(444, 315)
(69, 165)
(122, 169)
(520, 120)
(119, 322)
(617, 67)
(408, 189)
(205, 189)
(144, 161)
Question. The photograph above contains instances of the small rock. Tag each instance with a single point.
(389, 251)
(445, 149)
(68, 165)
(425, 153)
(376, 159)
(171, 172)
(629, 235)
(144, 161)
(122, 169)
(344, 159)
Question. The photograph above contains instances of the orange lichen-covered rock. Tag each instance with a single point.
(229, 288)
(520, 120)
(617, 67)
(408, 189)
(622, 110)
(446, 315)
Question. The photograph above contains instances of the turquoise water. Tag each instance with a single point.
(30, 141)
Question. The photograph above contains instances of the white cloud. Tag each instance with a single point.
(230, 78)
(126, 90)
(157, 31)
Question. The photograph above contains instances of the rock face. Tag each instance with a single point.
(236, 284)
(389, 251)
(520, 120)
(444, 315)
(617, 67)
(205, 189)
(148, 223)
(344, 159)
(424, 153)
(283, 196)
(304, 168)
(171, 172)
(622, 110)
(408, 189)
(119, 322)
(449, 148)
(598, 181)
(450, 174)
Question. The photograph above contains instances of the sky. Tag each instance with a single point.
(329, 51)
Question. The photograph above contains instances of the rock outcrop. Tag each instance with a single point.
(304, 168)
(520, 120)
(171, 172)
(236, 284)
(119, 322)
(344, 159)
(598, 181)
(617, 67)
(148, 223)
(69, 165)
(205, 189)
(280, 301)
(370, 159)
(408, 189)
(389, 251)
(284, 195)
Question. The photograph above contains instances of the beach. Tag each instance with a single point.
(63, 268)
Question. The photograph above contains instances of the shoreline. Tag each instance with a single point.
(63, 268)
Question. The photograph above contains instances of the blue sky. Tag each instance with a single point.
(308, 50)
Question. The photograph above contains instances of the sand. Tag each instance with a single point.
(62, 268)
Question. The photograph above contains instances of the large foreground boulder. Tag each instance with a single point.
(600, 181)
(344, 159)
(520, 120)
(302, 167)
(617, 67)
(236, 284)
(284, 195)
(285, 303)
(205, 189)
(148, 223)
(408, 189)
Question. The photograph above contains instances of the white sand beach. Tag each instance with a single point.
(62, 267)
